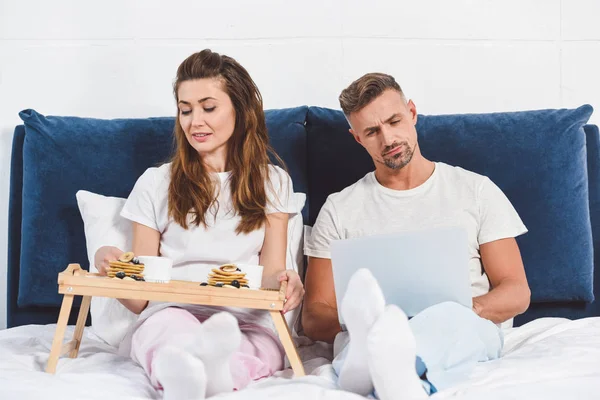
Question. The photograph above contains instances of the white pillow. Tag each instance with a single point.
(104, 226)
(295, 254)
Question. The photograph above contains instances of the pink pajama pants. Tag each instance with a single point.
(260, 354)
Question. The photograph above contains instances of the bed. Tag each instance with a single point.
(550, 358)
(547, 162)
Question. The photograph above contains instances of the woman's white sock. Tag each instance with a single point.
(219, 339)
(181, 375)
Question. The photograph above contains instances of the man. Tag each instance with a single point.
(407, 192)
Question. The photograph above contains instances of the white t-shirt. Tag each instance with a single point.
(451, 197)
(196, 250)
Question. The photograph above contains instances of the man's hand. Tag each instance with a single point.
(103, 256)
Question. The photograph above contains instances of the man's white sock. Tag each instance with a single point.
(362, 305)
(220, 338)
(181, 375)
(392, 352)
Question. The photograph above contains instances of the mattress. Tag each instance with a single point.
(549, 358)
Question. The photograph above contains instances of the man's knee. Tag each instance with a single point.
(466, 323)
(450, 306)
(454, 317)
(448, 310)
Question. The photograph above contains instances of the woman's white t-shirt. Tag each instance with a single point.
(198, 249)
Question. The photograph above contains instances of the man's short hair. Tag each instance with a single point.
(364, 90)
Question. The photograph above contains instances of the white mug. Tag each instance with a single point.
(156, 269)
(253, 274)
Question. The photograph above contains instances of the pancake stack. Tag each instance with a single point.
(126, 267)
(228, 275)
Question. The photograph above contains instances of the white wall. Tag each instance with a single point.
(117, 58)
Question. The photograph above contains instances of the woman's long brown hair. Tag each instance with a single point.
(192, 192)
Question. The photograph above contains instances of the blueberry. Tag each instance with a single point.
(246, 286)
(137, 278)
(141, 279)
(120, 275)
(235, 283)
(219, 284)
(135, 260)
(204, 284)
(237, 269)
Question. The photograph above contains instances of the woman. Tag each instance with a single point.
(217, 201)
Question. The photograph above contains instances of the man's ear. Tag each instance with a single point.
(356, 137)
(413, 111)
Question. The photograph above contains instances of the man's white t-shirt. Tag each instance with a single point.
(451, 197)
(198, 249)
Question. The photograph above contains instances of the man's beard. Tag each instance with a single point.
(400, 160)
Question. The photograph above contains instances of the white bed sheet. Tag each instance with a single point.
(550, 358)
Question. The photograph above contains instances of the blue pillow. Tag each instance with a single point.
(574, 310)
(538, 158)
(288, 138)
(62, 155)
(593, 160)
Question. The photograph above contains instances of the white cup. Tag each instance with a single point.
(253, 274)
(156, 269)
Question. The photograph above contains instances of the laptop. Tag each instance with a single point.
(415, 270)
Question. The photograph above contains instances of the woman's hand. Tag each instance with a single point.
(103, 256)
(295, 289)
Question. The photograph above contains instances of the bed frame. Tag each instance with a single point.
(74, 281)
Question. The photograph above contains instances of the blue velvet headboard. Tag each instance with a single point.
(545, 161)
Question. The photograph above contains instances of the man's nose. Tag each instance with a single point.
(386, 137)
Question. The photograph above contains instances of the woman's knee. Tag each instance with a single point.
(171, 326)
(174, 315)
(168, 321)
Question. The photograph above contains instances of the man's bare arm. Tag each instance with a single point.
(320, 314)
(510, 292)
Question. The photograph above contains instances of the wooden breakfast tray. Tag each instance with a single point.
(75, 281)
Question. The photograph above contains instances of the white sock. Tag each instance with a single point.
(220, 338)
(362, 305)
(181, 375)
(392, 352)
